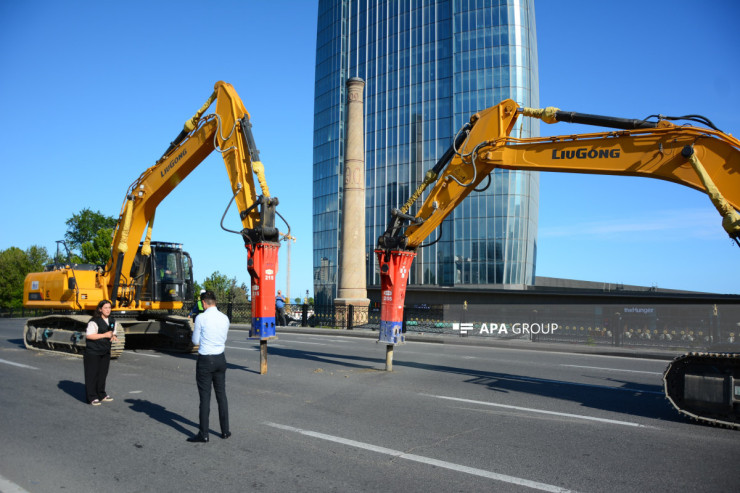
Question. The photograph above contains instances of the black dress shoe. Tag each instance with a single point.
(198, 439)
(226, 435)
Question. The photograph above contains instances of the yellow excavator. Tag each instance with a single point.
(704, 386)
(144, 280)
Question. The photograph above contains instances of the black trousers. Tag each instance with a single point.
(96, 372)
(280, 317)
(211, 370)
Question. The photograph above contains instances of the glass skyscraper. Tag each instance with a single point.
(428, 65)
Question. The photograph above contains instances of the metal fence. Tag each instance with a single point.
(695, 327)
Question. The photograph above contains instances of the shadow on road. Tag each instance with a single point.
(327, 358)
(628, 397)
(19, 342)
(75, 389)
(161, 414)
(229, 366)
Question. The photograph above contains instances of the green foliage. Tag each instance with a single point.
(97, 250)
(297, 301)
(196, 290)
(240, 294)
(14, 265)
(37, 257)
(225, 289)
(90, 234)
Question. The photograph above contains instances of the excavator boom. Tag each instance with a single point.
(655, 152)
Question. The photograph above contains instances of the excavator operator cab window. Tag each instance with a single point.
(168, 267)
(168, 270)
(187, 269)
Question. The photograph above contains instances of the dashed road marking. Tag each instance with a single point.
(541, 411)
(20, 365)
(615, 369)
(424, 460)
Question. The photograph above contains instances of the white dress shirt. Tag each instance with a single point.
(211, 329)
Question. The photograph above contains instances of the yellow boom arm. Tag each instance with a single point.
(227, 130)
(701, 158)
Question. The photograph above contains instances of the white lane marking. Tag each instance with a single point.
(135, 392)
(147, 354)
(306, 342)
(243, 348)
(7, 486)
(424, 460)
(615, 369)
(541, 411)
(18, 364)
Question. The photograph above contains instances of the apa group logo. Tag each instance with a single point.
(462, 328)
(517, 328)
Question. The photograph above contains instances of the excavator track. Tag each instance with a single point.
(64, 334)
(706, 387)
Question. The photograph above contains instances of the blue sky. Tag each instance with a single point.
(93, 92)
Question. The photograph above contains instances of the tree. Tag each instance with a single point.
(89, 234)
(240, 294)
(14, 265)
(196, 290)
(225, 289)
(97, 250)
(38, 257)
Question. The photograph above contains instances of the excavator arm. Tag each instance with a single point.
(705, 159)
(228, 131)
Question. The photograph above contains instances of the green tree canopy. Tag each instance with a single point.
(14, 265)
(97, 250)
(226, 289)
(90, 234)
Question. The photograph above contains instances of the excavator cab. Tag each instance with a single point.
(164, 276)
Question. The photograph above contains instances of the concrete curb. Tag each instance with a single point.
(628, 352)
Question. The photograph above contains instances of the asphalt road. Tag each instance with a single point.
(327, 417)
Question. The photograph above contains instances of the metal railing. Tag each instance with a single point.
(695, 327)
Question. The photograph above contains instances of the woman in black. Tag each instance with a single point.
(101, 331)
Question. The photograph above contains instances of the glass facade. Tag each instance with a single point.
(428, 65)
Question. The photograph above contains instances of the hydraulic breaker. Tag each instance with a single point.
(394, 274)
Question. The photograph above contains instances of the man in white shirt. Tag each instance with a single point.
(211, 329)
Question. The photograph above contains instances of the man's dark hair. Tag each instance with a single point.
(209, 297)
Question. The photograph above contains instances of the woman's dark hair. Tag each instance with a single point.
(98, 310)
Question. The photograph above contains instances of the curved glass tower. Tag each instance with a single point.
(428, 65)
